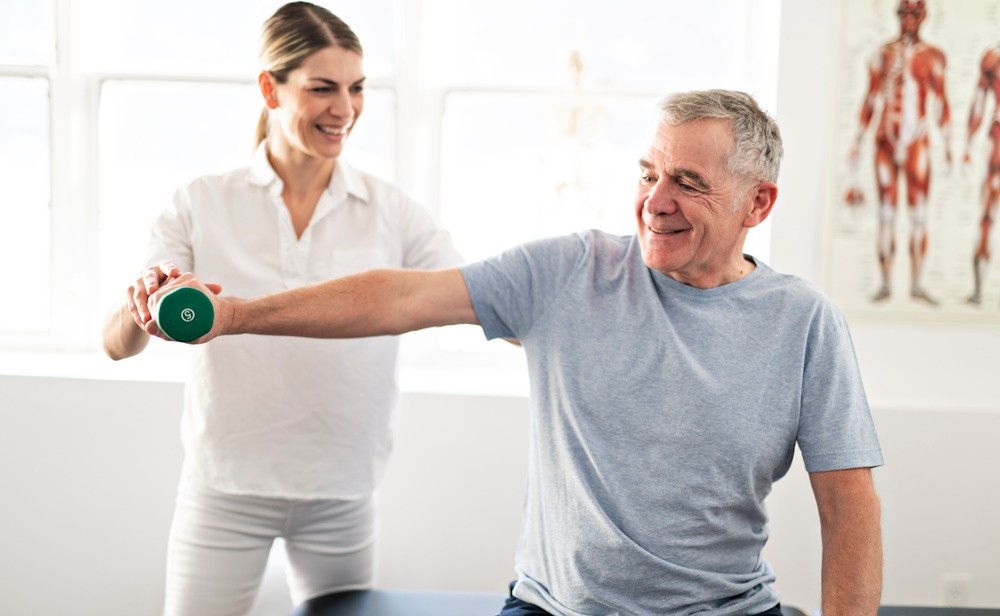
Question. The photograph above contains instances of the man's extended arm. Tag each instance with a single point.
(850, 519)
(374, 303)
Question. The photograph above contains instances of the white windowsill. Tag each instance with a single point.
(451, 377)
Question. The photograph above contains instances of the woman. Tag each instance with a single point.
(283, 437)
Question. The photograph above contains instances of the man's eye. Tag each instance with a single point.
(322, 90)
(688, 188)
(645, 179)
(358, 89)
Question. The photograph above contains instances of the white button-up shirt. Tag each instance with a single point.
(279, 416)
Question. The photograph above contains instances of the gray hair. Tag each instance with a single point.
(757, 148)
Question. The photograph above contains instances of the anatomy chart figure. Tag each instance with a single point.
(904, 76)
(989, 82)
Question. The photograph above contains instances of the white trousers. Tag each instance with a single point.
(219, 546)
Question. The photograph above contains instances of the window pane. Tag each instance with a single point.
(24, 214)
(372, 144)
(516, 167)
(217, 37)
(153, 139)
(650, 46)
(26, 32)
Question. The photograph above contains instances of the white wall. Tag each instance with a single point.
(935, 390)
(88, 467)
(937, 367)
(87, 475)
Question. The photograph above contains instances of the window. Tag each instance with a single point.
(26, 226)
(509, 121)
(26, 45)
(539, 121)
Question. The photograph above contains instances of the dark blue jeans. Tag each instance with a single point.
(515, 607)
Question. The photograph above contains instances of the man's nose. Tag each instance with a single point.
(661, 199)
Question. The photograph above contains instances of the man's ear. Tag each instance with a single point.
(762, 201)
(267, 89)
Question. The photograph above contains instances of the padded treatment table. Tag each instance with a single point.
(435, 603)
(402, 603)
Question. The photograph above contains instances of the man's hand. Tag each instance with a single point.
(222, 308)
(124, 330)
(381, 302)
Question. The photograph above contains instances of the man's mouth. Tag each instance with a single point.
(665, 231)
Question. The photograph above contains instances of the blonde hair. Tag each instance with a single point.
(293, 33)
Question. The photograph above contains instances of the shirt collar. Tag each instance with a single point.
(347, 179)
(261, 171)
(344, 181)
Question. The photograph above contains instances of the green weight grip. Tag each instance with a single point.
(184, 314)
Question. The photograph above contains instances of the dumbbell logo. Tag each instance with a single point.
(187, 315)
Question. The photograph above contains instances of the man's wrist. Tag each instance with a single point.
(233, 317)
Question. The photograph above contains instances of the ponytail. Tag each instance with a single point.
(262, 127)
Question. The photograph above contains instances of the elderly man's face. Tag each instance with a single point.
(692, 213)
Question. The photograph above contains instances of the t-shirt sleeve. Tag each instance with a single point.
(836, 430)
(512, 290)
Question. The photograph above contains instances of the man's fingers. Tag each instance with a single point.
(152, 329)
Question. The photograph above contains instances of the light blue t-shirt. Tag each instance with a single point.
(661, 414)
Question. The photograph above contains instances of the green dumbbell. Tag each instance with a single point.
(184, 314)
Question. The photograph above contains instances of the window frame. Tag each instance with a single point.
(76, 312)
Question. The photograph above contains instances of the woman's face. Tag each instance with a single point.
(316, 108)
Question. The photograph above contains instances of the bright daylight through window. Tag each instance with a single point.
(508, 121)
